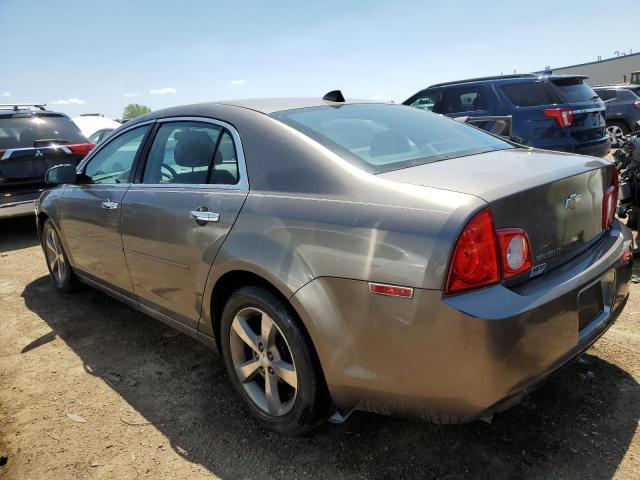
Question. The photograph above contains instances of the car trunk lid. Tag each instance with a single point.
(556, 198)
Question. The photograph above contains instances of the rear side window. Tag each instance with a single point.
(530, 94)
(183, 153)
(606, 94)
(427, 100)
(574, 90)
(27, 131)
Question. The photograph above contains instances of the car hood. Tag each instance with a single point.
(495, 175)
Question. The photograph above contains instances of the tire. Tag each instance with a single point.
(616, 130)
(57, 261)
(264, 372)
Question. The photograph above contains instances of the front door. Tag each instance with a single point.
(175, 219)
(91, 212)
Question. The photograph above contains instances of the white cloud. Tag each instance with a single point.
(69, 101)
(129, 95)
(237, 82)
(162, 91)
(5, 94)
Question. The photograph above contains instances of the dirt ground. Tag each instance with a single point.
(91, 389)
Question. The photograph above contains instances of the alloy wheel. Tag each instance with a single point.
(55, 255)
(615, 134)
(263, 362)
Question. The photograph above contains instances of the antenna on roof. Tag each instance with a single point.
(334, 96)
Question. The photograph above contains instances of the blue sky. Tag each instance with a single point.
(100, 56)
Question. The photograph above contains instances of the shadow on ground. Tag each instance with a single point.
(18, 233)
(577, 425)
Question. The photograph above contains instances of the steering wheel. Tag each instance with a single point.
(172, 173)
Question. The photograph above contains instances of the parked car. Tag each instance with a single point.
(553, 112)
(623, 109)
(347, 255)
(32, 139)
(95, 126)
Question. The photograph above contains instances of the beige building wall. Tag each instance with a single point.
(605, 72)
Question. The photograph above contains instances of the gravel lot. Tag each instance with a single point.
(91, 389)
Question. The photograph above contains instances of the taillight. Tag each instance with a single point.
(515, 253)
(484, 255)
(475, 258)
(636, 104)
(610, 200)
(80, 149)
(564, 116)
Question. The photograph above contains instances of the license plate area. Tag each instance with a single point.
(595, 303)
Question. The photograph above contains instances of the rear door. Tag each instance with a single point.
(176, 217)
(91, 209)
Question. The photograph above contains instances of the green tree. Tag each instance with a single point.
(134, 110)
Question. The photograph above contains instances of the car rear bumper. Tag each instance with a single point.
(453, 359)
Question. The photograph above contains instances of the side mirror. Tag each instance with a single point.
(61, 174)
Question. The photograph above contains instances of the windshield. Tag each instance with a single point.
(28, 131)
(381, 137)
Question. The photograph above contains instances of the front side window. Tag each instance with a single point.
(427, 100)
(113, 163)
(458, 100)
(380, 138)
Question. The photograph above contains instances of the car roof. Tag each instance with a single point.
(278, 104)
(508, 79)
(624, 86)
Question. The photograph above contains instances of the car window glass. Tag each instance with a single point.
(113, 163)
(389, 137)
(225, 167)
(460, 100)
(426, 101)
(606, 94)
(530, 94)
(182, 152)
(574, 90)
(26, 130)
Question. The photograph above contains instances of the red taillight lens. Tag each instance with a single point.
(80, 149)
(391, 290)
(636, 104)
(564, 116)
(610, 200)
(475, 258)
(515, 252)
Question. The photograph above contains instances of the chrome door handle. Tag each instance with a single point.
(109, 205)
(204, 217)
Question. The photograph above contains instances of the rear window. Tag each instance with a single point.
(574, 90)
(27, 130)
(382, 138)
(530, 94)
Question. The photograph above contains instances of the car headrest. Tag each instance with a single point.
(389, 142)
(193, 148)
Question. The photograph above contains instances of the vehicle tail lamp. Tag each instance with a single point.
(484, 256)
(610, 200)
(564, 116)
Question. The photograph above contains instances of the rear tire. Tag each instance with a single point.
(271, 364)
(57, 261)
(616, 129)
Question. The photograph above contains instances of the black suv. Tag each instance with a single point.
(33, 139)
(623, 109)
(554, 112)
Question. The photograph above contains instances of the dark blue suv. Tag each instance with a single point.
(554, 112)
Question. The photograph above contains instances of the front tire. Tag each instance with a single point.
(56, 258)
(271, 364)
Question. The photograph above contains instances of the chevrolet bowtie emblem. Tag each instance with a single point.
(572, 201)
